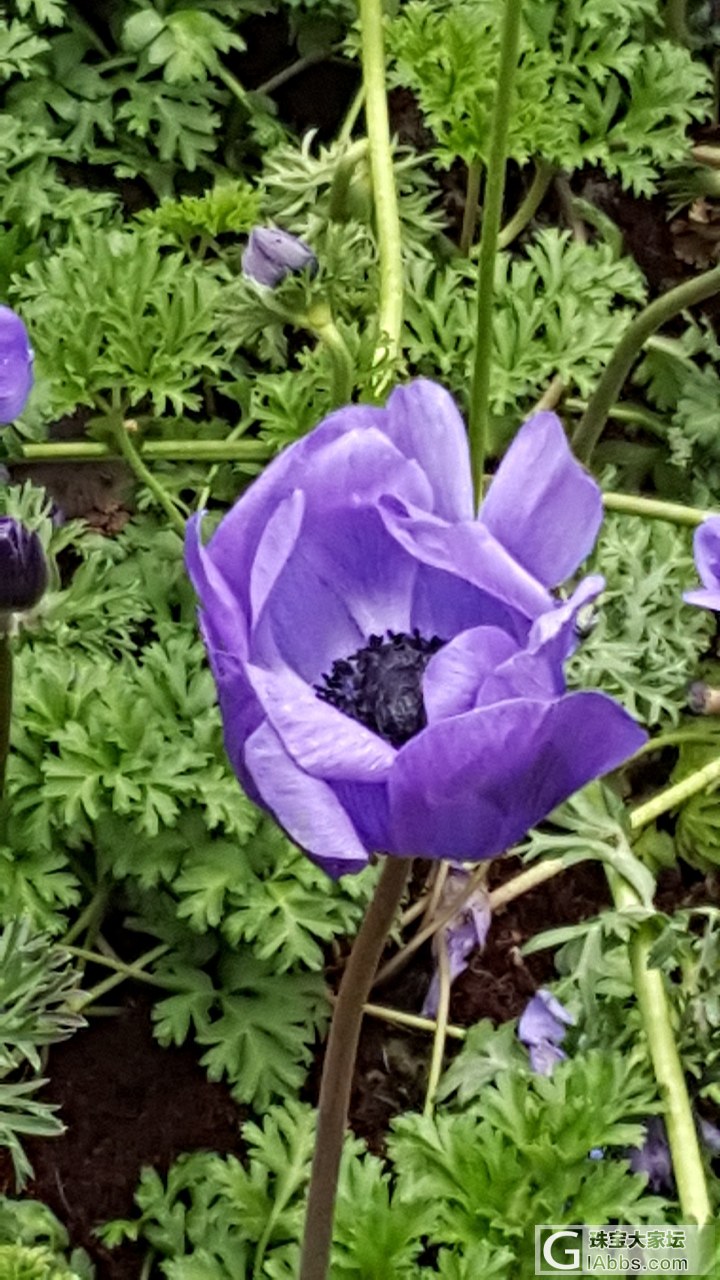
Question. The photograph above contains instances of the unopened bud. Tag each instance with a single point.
(23, 567)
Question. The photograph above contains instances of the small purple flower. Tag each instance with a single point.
(271, 254)
(706, 545)
(542, 1027)
(465, 932)
(23, 567)
(653, 1158)
(389, 665)
(16, 358)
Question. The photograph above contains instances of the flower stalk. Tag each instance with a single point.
(165, 450)
(536, 192)
(611, 382)
(6, 684)
(492, 212)
(387, 217)
(441, 1024)
(146, 477)
(338, 1066)
(472, 200)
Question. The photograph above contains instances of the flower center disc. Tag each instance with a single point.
(381, 684)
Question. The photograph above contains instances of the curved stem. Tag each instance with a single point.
(146, 477)
(492, 211)
(6, 687)
(387, 217)
(342, 367)
(672, 797)
(627, 351)
(632, 504)
(339, 1062)
(441, 1025)
(543, 176)
(470, 212)
(656, 1016)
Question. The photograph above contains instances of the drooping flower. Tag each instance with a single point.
(389, 666)
(464, 933)
(653, 1158)
(706, 546)
(16, 360)
(542, 1027)
(272, 254)
(23, 567)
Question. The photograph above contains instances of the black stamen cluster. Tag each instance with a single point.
(381, 684)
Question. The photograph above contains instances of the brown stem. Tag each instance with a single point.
(338, 1066)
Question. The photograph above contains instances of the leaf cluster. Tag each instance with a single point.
(34, 1245)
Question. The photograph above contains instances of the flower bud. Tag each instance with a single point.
(271, 254)
(16, 357)
(23, 567)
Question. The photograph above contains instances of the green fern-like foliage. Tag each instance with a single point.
(34, 1245)
(596, 83)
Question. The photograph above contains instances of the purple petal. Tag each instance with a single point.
(653, 1158)
(457, 672)
(472, 786)
(225, 624)
(542, 506)
(320, 739)
(544, 1018)
(706, 546)
(423, 421)
(305, 807)
(544, 1057)
(271, 254)
(465, 934)
(16, 365)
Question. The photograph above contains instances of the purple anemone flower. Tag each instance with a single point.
(706, 545)
(390, 666)
(16, 358)
(271, 254)
(464, 934)
(23, 567)
(542, 1027)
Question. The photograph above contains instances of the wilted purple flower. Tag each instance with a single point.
(542, 1027)
(16, 359)
(23, 567)
(653, 1158)
(389, 666)
(465, 932)
(706, 545)
(271, 254)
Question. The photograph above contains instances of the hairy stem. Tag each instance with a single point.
(146, 477)
(492, 211)
(656, 1016)
(543, 176)
(628, 349)
(387, 217)
(6, 691)
(338, 1066)
(470, 212)
(673, 797)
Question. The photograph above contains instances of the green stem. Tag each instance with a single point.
(167, 450)
(472, 200)
(295, 69)
(351, 118)
(232, 83)
(319, 320)
(627, 351)
(412, 1020)
(625, 413)
(122, 972)
(146, 477)
(338, 1066)
(440, 1038)
(6, 689)
(632, 504)
(89, 917)
(672, 797)
(492, 211)
(675, 18)
(387, 217)
(656, 1016)
(543, 176)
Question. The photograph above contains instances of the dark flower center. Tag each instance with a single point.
(381, 684)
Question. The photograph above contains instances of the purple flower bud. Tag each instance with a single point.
(544, 1018)
(653, 1158)
(464, 933)
(272, 254)
(16, 357)
(23, 567)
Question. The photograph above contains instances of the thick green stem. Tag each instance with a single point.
(656, 1016)
(632, 504)
(673, 797)
(472, 199)
(6, 686)
(146, 477)
(628, 349)
(387, 217)
(492, 211)
(339, 1062)
(342, 369)
(543, 176)
(167, 450)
